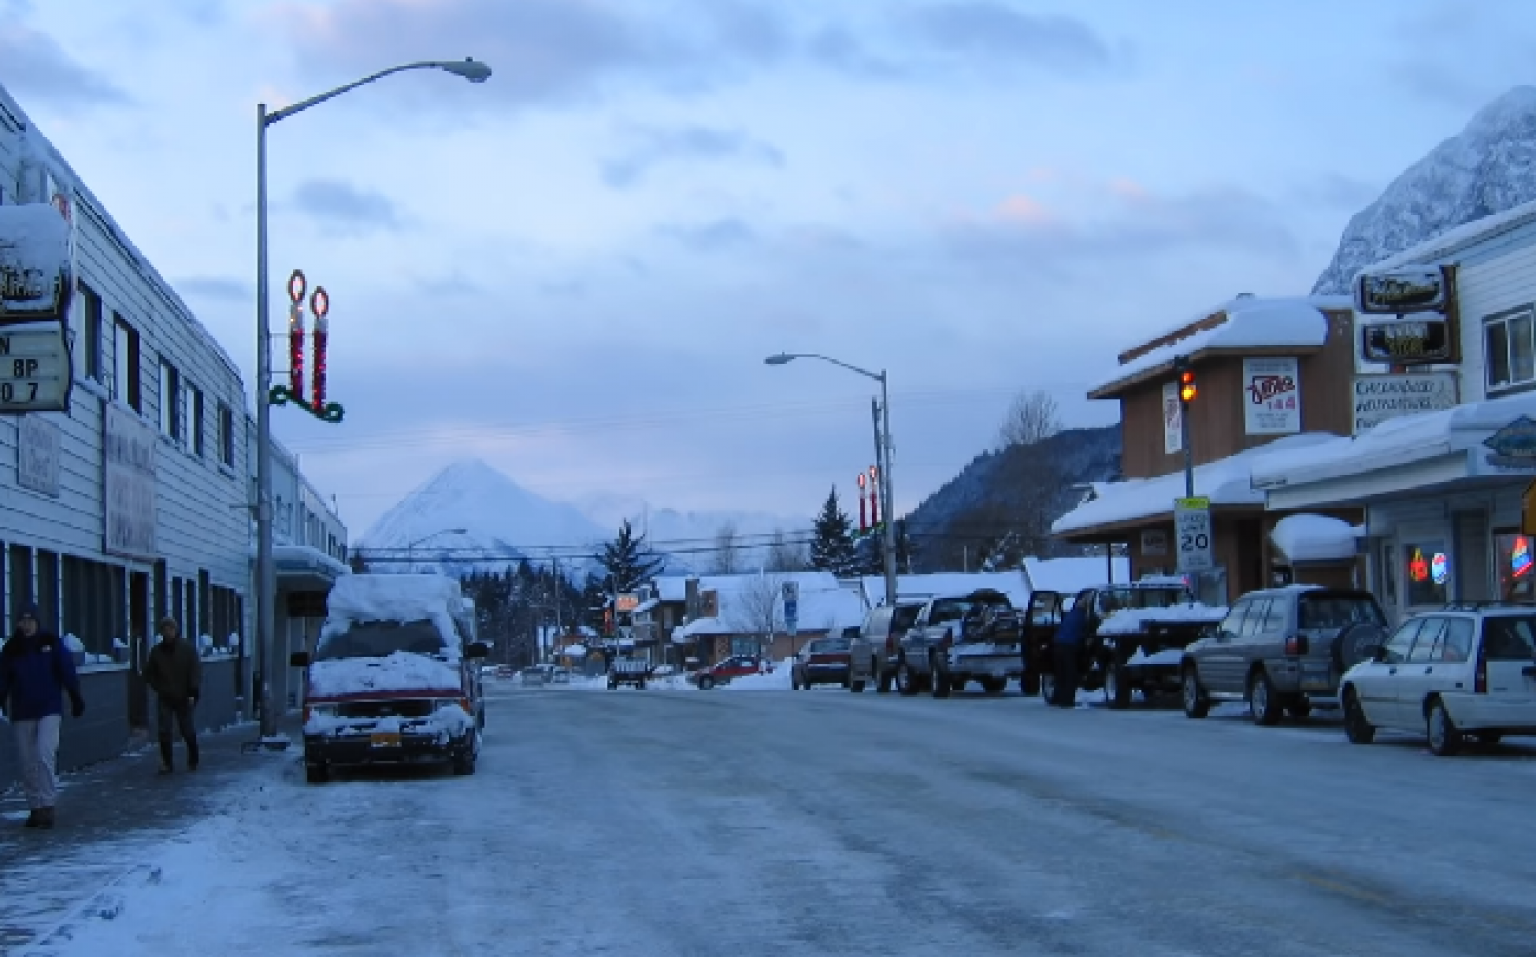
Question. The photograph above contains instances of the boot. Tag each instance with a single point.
(45, 817)
(192, 754)
(33, 818)
(165, 756)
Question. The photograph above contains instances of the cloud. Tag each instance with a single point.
(33, 65)
(343, 207)
(214, 287)
(655, 147)
(996, 31)
(719, 235)
(1337, 191)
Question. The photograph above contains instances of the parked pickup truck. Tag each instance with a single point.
(957, 639)
(1134, 637)
(628, 671)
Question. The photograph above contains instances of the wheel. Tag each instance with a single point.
(613, 686)
(1197, 704)
(1048, 688)
(1489, 738)
(938, 678)
(994, 685)
(1029, 684)
(317, 773)
(705, 683)
(1262, 700)
(1299, 708)
(906, 681)
(848, 682)
(464, 763)
(640, 685)
(855, 686)
(1356, 728)
(1117, 690)
(883, 677)
(1445, 739)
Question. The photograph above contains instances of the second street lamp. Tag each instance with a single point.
(882, 452)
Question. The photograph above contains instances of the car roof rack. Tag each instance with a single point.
(1484, 605)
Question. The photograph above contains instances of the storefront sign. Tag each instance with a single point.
(1271, 396)
(37, 455)
(1154, 542)
(1173, 419)
(129, 446)
(1378, 398)
(37, 278)
(35, 370)
(1416, 342)
(1514, 446)
(1398, 292)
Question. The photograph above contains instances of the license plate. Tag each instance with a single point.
(385, 740)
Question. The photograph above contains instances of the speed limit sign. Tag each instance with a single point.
(1192, 534)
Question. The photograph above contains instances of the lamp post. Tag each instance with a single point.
(266, 574)
(410, 548)
(883, 453)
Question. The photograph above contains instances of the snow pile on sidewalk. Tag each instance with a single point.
(775, 680)
(401, 671)
(1132, 621)
(1316, 538)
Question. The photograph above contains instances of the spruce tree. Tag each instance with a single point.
(832, 545)
(627, 560)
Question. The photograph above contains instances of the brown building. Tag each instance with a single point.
(1270, 374)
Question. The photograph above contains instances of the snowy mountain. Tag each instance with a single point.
(1488, 168)
(682, 533)
(495, 513)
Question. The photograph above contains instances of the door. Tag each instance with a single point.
(1509, 651)
(1416, 677)
(1228, 659)
(1375, 682)
(139, 630)
(1040, 624)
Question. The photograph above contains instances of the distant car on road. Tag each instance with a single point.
(721, 673)
(824, 661)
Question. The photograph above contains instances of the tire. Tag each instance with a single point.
(939, 682)
(1299, 708)
(640, 685)
(1117, 690)
(706, 682)
(848, 683)
(1356, 728)
(317, 773)
(1445, 740)
(1029, 684)
(1489, 738)
(1048, 688)
(994, 685)
(856, 686)
(1197, 704)
(613, 686)
(464, 763)
(906, 681)
(882, 677)
(1262, 700)
(1348, 646)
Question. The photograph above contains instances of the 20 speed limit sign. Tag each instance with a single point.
(1192, 534)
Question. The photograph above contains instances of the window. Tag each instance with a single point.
(1426, 645)
(226, 435)
(1253, 625)
(1517, 566)
(1232, 625)
(1397, 647)
(171, 402)
(1509, 349)
(126, 387)
(1274, 618)
(1509, 638)
(89, 305)
(1456, 642)
(1429, 569)
(197, 420)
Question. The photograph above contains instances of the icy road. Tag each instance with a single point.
(690, 823)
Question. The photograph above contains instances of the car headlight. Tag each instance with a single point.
(439, 704)
(320, 711)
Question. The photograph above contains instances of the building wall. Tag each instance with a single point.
(1217, 418)
(1492, 278)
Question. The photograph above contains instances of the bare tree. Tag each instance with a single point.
(1032, 417)
(758, 608)
(727, 550)
(786, 556)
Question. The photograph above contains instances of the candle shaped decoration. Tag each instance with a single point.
(320, 305)
(296, 288)
(874, 498)
(863, 523)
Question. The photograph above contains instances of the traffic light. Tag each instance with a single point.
(1188, 389)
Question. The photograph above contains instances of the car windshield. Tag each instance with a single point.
(903, 617)
(1112, 600)
(1509, 637)
(824, 646)
(1326, 610)
(379, 639)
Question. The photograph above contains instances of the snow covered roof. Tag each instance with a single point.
(823, 602)
(1399, 441)
(310, 557)
(1460, 238)
(700, 626)
(392, 597)
(1069, 575)
(1316, 538)
(1248, 323)
(34, 241)
(1130, 621)
(920, 587)
(645, 606)
(1225, 482)
(574, 651)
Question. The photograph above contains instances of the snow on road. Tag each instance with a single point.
(828, 824)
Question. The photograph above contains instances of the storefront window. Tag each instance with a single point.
(1517, 566)
(1428, 570)
(1389, 573)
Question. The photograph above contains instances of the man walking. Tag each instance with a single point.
(36, 671)
(174, 672)
(1068, 649)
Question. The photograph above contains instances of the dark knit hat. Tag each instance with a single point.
(28, 610)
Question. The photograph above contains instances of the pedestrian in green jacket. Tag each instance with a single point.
(174, 672)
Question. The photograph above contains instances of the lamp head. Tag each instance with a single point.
(782, 358)
(470, 69)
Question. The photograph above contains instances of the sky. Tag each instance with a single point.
(575, 270)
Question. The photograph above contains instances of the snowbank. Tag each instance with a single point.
(1129, 621)
(1170, 657)
(699, 626)
(776, 680)
(1316, 538)
(34, 248)
(574, 651)
(400, 672)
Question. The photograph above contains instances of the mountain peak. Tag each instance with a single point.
(1487, 168)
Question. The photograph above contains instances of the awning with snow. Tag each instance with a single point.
(573, 651)
(36, 272)
(1316, 538)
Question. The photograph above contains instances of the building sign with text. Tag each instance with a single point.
(1173, 419)
(1377, 398)
(128, 485)
(37, 280)
(37, 455)
(1419, 299)
(1271, 395)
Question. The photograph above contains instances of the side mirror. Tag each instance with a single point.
(478, 649)
(299, 659)
(1373, 653)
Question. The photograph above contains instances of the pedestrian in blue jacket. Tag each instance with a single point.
(36, 671)
(1069, 650)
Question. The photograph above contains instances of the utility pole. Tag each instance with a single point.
(1188, 391)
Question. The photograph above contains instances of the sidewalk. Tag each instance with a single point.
(107, 814)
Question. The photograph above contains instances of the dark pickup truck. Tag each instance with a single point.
(1134, 637)
(628, 671)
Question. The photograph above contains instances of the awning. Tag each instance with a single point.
(304, 567)
(1316, 538)
(645, 606)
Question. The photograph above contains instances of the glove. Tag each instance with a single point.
(192, 698)
(78, 709)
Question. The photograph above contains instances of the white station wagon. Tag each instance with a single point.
(1466, 672)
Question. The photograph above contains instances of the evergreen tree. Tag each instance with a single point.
(627, 560)
(832, 545)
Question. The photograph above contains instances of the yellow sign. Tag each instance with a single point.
(1528, 510)
(1198, 504)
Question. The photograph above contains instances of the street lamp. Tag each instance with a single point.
(266, 573)
(410, 547)
(883, 452)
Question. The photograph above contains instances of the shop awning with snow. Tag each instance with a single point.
(36, 270)
(1478, 445)
(1306, 538)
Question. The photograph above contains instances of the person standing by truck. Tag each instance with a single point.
(174, 672)
(1067, 653)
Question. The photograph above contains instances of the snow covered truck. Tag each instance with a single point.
(956, 639)
(394, 677)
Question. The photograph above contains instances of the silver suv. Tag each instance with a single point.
(1279, 648)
